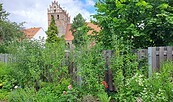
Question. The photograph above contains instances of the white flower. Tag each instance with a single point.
(16, 87)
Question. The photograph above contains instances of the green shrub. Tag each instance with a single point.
(7, 77)
(90, 69)
(4, 94)
(36, 63)
(159, 87)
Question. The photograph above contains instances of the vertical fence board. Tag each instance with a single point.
(165, 53)
(2, 57)
(150, 54)
(161, 57)
(169, 53)
(153, 58)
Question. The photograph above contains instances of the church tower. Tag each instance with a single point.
(61, 17)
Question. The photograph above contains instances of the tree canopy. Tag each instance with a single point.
(79, 30)
(143, 22)
(9, 31)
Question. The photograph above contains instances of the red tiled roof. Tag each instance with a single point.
(69, 36)
(94, 27)
(29, 33)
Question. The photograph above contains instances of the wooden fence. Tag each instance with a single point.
(4, 58)
(156, 56)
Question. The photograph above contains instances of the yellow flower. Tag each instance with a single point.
(0, 84)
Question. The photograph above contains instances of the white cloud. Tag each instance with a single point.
(91, 2)
(34, 12)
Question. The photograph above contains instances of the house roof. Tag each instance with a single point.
(94, 27)
(29, 33)
(69, 36)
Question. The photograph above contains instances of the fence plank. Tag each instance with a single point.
(150, 54)
(154, 64)
(169, 53)
(161, 57)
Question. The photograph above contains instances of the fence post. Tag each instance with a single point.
(108, 74)
(150, 54)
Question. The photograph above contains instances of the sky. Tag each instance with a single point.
(34, 12)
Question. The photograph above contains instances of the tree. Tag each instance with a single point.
(3, 13)
(143, 22)
(9, 31)
(79, 30)
(52, 32)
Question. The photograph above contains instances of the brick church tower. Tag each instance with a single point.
(60, 15)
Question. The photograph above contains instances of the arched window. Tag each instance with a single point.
(57, 16)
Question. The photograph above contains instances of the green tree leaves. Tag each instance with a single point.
(79, 30)
(9, 31)
(52, 32)
(143, 22)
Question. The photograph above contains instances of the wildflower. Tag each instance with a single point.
(16, 87)
(139, 100)
(64, 92)
(105, 84)
(69, 87)
(0, 84)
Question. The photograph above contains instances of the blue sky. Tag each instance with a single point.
(34, 12)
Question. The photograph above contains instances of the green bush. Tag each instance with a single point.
(7, 77)
(4, 94)
(90, 69)
(36, 63)
(159, 87)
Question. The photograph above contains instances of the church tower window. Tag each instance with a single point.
(57, 16)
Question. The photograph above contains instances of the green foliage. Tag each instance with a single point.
(79, 30)
(71, 95)
(143, 22)
(6, 77)
(90, 66)
(3, 13)
(50, 92)
(9, 31)
(4, 94)
(22, 95)
(35, 63)
(103, 97)
(52, 32)
(159, 87)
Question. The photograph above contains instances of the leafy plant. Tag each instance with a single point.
(79, 30)
(90, 69)
(103, 97)
(34, 62)
(143, 22)
(71, 95)
(4, 94)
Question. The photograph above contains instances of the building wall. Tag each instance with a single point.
(40, 35)
(61, 17)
